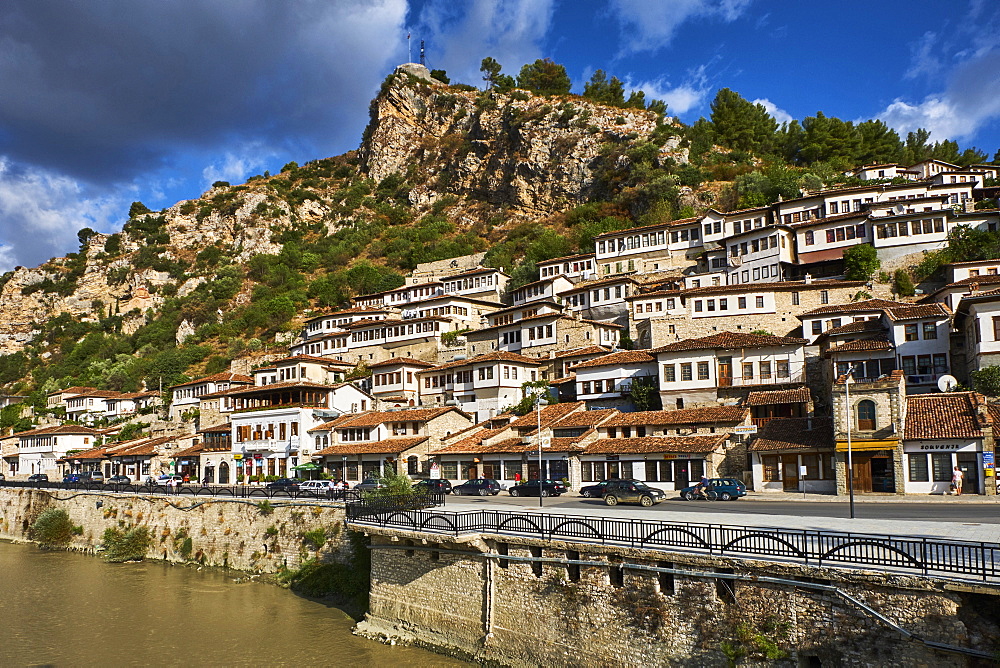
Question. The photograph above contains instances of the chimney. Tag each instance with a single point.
(807, 279)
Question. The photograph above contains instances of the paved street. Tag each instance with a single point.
(961, 519)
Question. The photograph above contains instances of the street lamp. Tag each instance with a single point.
(538, 414)
(848, 381)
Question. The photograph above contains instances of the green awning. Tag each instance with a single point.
(308, 466)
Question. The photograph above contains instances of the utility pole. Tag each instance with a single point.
(847, 416)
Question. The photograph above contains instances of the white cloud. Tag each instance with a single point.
(970, 101)
(776, 112)
(458, 39)
(680, 98)
(235, 168)
(42, 211)
(648, 25)
(924, 60)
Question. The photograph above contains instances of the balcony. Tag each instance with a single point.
(733, 381)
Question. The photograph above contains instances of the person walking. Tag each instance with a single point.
(956, 481)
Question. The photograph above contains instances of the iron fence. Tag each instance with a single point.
(913, 554)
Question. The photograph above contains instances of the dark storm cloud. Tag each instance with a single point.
(101, 90)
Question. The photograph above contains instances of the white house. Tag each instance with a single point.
(482, 386)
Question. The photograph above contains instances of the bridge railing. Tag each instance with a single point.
(914, 554)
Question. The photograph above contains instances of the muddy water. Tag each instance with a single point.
(66, 609)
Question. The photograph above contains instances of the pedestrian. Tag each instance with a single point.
(517, 478)
(956, 481)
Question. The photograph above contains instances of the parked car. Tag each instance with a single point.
(596, 490)
(531, 488)
(119, 480)
(165, 480)
(38, 477)
(92, 476)
(728, 489)
(631, 491)
(71, 477)
(433, 485)
(284, 483)
(316, 486)
(369, 484)
(480, 486)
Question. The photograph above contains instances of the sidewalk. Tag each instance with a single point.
(871, 498)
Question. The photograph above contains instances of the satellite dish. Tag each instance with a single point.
(947, 383)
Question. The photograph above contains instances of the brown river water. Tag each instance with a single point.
(69, 609)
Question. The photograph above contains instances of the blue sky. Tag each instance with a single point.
(103, 103)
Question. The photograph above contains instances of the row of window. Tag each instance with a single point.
(635, 241)
(940, 469)
(583, 265)
(395, 378)
(764, 369)
(754, 246)
(390, 332)
(667, 470)
(801, 216)
(908, 228)
(835, 234)
(818, 467)
(259, 432)
(741, 303)
(443, 310)
(469, 283)
(414, 293)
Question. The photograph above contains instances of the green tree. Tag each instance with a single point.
(491, 71)
(878, 143)
(544, 77)
(138, 209)
(861, 262)
(987, 381)
(902, 284)
(645, 395)
(740, 124)
(599, 89)
(440, 75)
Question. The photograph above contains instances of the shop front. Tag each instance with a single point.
(875, 464)
(930, 466)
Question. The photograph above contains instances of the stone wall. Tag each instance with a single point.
(530, 614)
(231, 533)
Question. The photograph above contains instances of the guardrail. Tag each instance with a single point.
(187, 489)
(926, 556)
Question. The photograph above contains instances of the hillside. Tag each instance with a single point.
(442, 170)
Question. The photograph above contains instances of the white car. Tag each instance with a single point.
(166, 480)
(318, 486)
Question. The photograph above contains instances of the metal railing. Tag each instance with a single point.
(374, 504)
(196, 489)
(926, 556)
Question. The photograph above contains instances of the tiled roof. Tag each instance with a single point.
(103, 394)
(139, 448)
(855, 328)
(93, 453)
(472, 446)
(950, 415)
(76, 389)
(587, 285)
(191, 452)
(499, 356)
(400, 360)
(587, 350)
(618, 359)
(61, 429)
(563, 381)
(867, 344)
(631, 230)
(771, 397)
(584, 418)
(794, 434)
(656, 444)
(729, 340)
(566, 257)
(550, 414)
(224, 376)
(895, 310)
(709, 414)
(375, 418)
(385, 446)
(224, 427)
(255, 389)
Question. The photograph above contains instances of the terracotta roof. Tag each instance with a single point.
(76, 389)
(771, 397)
(729, 340)
(61, 429)
(867, 344)
(563, 381)
(400, 360)
(565, 257)
(631, 230)
(327, 426)
(550, 414)
(499, 356)
(860, 326)
(586, 350)
(385, 446)
(473, 440)
(950, 415)
(586, 285)
(103, 394)
(225, 376)
(467, 448)
(93, 453)
(794, 434)
(477, 270)
(584, 418)
(254, 389)
(190, 452)
(139, 448)
(895, 310)
(309, 358)
(617, 359)
(656, 444)
(375, 418)
(225, 426)
(708, 414)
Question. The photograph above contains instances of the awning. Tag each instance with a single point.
(861, 445)
(308, 466)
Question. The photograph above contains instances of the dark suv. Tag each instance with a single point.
(92, 477)
(480, 486)
(631, 491)
(434, 485)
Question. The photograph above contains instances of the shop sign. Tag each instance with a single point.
(611, 458)
(670, 456)
(988, 460)
(745, 429)
(238, 456)
(435, 470)
(258, 455)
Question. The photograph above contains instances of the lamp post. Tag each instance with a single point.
(538, 414)
(847, 418)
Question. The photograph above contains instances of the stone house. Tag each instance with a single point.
(602, 299)
(186, 397)
(38, 450)
(606, 382)
(394, 382)
(574, 267)
(794, 454)
(667, 462)
(483, 386)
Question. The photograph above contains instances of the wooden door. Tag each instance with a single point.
(790, 473)
(532, 470)
(725, 371)
(862, 474)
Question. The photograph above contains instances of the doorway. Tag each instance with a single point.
(862, 472)
(969, 464)
(790, 473)
(725, 371)
(682, 473)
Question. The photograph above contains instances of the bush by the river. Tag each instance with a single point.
(348, 582)
(52, 528)
(130, 545)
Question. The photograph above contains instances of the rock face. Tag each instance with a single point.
(532, 156)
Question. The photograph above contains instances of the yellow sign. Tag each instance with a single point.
(861, 445)
(238, 456)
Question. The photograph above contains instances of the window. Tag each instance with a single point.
(941, 466)
(748, 371)
(909, 365)
(723, 304)
(771, 469)
(918, 467)
(866, 415)
(669, 373)
(795, 299)
(686, 371)
(759, 302)
(782, 368)
(697, 306)
(765, 370)
(930, 330)
(824, 297)
(810, 240)
(910, 332)
(811, 462)
(817, 327)
(742, 302)
(702, 370)
(941, 363)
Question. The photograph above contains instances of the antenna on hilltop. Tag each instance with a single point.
(409, 51)
(422, 53)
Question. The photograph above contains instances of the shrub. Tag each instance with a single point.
(265, 508)
(131, 545)
(316, 537)
(52, 528)
(902, 284)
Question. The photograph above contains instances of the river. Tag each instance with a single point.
(69, 609)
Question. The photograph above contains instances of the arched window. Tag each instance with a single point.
(223, 473)
(866, 415)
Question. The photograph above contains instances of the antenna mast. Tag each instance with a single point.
(422, 53)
